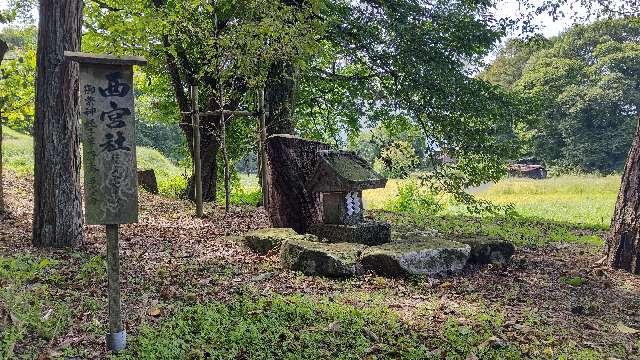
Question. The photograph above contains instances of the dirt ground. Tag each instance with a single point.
(170, 256)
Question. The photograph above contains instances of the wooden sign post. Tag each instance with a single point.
(109, 156)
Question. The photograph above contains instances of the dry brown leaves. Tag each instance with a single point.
(170, 257)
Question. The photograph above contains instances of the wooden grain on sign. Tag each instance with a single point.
(109, 151)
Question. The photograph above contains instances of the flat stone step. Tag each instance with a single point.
(422, 257)
(263, 241)
(316, 258)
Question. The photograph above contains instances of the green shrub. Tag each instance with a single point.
(240, 196)
(397, 161)
(414, 199)
(175, 186)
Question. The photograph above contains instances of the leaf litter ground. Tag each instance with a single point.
(171, 258)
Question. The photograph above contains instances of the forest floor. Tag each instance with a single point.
(191, 290)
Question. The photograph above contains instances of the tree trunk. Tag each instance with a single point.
(3, 50)
(623, 244)
(57, 213)
(291, 163)
(279, 97)
(209, 146)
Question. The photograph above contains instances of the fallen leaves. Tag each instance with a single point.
(154, 311)
(626, 329)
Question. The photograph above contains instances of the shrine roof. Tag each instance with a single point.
(339, 171)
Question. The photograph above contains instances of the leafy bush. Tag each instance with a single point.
(240, 196)
(397, 161)
(175, 186)
(414, 199)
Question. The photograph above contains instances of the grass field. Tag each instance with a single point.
(586, 200)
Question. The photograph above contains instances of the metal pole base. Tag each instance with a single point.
(117, 342)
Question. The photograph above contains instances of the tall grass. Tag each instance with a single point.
(578, 199)
(585, 199)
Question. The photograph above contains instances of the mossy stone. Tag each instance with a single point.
(425, 257)
(315, 258)
(488, 250)
(367, 233)
(263, 241)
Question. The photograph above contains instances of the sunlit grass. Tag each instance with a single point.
(585, 199)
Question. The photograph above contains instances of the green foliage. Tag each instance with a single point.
(17, 78)
(240, 196)
(414, 199)
(397, 160)
(587, 82)
(276, 327)
(174, 186)
(33, 313)
(404, 64)
(573, 281)
(163, 137)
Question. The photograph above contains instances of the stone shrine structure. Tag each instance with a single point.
(339, 179)
(317, 214)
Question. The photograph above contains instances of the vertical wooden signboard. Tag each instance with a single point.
(109, 160)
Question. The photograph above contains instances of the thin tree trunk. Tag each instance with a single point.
(262, 153)
(3, 50)
(623, 244)
(57, 213)
(225, 156)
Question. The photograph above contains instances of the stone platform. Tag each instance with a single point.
(408, 252)
(367, 233)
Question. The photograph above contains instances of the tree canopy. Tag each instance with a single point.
(587, 81)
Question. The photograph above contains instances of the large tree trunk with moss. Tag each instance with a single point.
(57, 213)
(3, 50)
(623, 244)
(291, 163)
(279, 97)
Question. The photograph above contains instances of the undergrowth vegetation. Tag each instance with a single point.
(251, 326)
(583, 200)
(171, 177)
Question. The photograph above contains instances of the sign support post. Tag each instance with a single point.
(109, 160)
(197, 161)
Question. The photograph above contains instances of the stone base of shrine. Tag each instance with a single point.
(367, 233)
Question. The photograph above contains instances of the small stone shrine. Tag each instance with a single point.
(316, 210)
(339, 178)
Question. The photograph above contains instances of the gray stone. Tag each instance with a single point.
(263, 241)
(367, 233)
(487, 250)
(426, 257)
(414, 235)
(315, 258)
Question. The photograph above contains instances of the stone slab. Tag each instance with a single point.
(264, 241)
(367, 233)
(426, 257)
(488, 250)
(316, 258)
